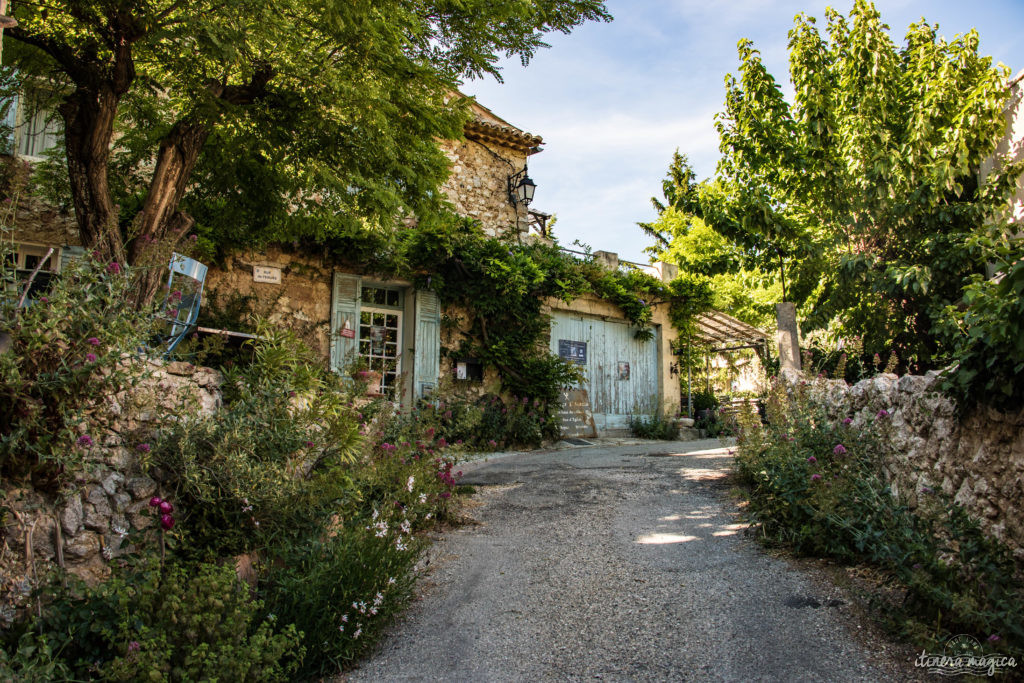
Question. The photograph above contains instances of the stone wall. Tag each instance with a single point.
(478, 184)
(96, 518)
(977, 459)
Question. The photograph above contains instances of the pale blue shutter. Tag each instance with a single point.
(344, 316)
(428, 343)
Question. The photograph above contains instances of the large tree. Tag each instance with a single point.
(864, 189)
(323, 107)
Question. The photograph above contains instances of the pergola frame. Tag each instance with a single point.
(717, 333)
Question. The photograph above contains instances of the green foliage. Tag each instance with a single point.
(169, 623)
(861, 194)
(327, 115)
(67, 354)
(815, 485)
(343, 590)
(654, 427)
(272, 461)
(32, 659)
(989, 338)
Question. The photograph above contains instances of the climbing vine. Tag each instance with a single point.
(500, 285)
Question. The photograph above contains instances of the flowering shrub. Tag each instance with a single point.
(67, 353)
(178, 622)
(815, 485)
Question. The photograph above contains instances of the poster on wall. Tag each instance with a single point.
(623, 369)
(573, 351)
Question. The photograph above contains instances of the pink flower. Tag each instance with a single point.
(134, 646)
(166, 522)
(812, 460)
(166, 508)
(93, 340)
(85, 440)
(447, 414)
(155, 501)
(143, 448)
(430, 432)
(114, 268)
(492, 443)
(847, 420)
(882, 413)
(442, 442)
(310, 444)
(90, 358)
(840, 449)
(815, 477)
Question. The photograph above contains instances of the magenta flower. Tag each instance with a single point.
(442, 442)
(993, 638)
(310, 444)
(44, 299)
(166, 508)
(155, 501)
(847, 420)
(812, 460)
(114, 268)
(93, 340)
(815, 477)
(90, 358)
(840, 449)
(882, 413)
(166, 522)
(134, 646)
(85, 440)
(143, 448)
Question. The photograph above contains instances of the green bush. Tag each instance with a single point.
(274, 461)
(66, 355)
(815, 485)
(152, 623)
(654, 427)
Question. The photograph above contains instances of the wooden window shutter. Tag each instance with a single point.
(344, 317)
(69, 254)
(427, 367)
(9, 122)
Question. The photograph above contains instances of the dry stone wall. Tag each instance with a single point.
(977, 459)
(478, 185)
(95, 520)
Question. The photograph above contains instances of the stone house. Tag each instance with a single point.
(396, 328)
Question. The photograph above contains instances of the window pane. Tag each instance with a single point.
(392, 297)
(364, 318)
(378, 319)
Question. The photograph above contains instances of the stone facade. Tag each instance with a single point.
(97, 519)
(979, 459)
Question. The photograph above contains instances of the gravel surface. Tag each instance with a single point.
(623, 562)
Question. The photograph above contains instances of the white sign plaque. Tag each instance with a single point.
(266, 274)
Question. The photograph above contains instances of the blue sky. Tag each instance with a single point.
(612, 101)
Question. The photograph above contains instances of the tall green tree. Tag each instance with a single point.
(311, 108)
(864, 187)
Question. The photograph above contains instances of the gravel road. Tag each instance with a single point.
(618, 563)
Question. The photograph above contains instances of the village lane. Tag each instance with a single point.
(619, 563)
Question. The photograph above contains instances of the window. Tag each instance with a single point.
(25, 259)
(380, 333)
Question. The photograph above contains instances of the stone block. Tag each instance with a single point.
(71, 515)
(141, 487)
(82, 546)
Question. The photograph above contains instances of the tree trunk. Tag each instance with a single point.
(88, 128)
(161, 226)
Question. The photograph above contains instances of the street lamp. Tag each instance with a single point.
(521, 188)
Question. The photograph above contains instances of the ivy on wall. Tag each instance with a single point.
(501, 286)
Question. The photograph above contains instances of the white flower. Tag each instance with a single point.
(408, 484)
(378, 599)
(406, 527)
(359, 632)
(342, 628)
(373, 611)
(391, 581)
(375, 515)
(423, 498)
(344, 618)
(400, 545)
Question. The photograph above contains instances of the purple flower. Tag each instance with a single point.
(446, 495)
(93, 340)
(492, 443)
(815, 477)
(85, 440)
(442, 442)
(812, 460)
(155, 501)
(134, 646)
(90, 358)
(926, 489)
(166, 507)
(44, 299)
(310, 444)
(840, 449)
(882, 413)
(847, 420)
(917, 565)
(143, 448)
(993, 638)
(114, 268)
(166, 522)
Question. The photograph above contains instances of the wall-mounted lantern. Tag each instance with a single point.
(521, 188)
